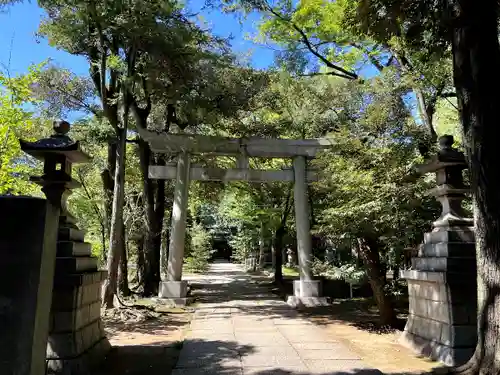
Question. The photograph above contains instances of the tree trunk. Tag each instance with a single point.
(140, 271)
(116, 230)
(261, 247)
(108, 185)
(476, 58)
(278, 247)
(369, 252)
(154, 200)
(159, 217)
(123, 270)
(278, 240)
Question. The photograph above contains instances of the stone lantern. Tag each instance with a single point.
(58, 153)
(448, 165)
(442, 282)
(76, 336)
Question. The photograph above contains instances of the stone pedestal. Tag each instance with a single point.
(250, 264)
(307, 293)
(442, 284)
(77, 341)
(175, 292)
(443, 298)
(27, 254)
(307, 288)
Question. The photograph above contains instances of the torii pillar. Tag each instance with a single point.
(306, 290)
(171, 285)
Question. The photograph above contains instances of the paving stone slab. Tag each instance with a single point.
(210, 336)
(309, 338)
(208, 371)
(190, 360)
(301, 330)
(214, 347)
(291, 322)
(222, 329)
(284, 351)
(212, 316)
(271, 361)
(339, 353)
(315, 345)
(261, 339)
(268, 336)
(274, 370)
(327, 366)
(214, 320)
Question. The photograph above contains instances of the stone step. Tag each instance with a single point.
(73, 249)
(71, 234)
(461, 235)
(67, 265)
(465, 265)
(447, 249)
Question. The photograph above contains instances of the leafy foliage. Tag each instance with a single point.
(200, 249)
(18, 122)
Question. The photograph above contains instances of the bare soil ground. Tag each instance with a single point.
(144, 342)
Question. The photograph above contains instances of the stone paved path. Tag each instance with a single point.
(240, 328)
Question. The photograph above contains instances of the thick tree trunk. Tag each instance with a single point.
(369, 253)
(159, 217)
(154, 200)
(123, 270)
(140, 271)
(476, 58)
(108, 185)
(116, 230)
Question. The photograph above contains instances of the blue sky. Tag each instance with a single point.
(21, 47)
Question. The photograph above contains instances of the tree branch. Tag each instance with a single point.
(309, 45)
(372, 59)
(324, 74)
(448, 95)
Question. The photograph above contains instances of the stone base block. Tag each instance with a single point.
(296, 302)
(307, 288)
(83, 364)
(172, 289)
(445, 354)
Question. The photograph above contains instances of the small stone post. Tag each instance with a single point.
(442, 282)
(76, 336)
(172, 287)
(306, 290)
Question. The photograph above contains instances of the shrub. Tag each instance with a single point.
(200, 249)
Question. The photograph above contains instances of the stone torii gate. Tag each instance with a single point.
(307, 291)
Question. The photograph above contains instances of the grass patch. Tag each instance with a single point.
(288, 271)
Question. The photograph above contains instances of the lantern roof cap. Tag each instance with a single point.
(58, 143)
(447, 156)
